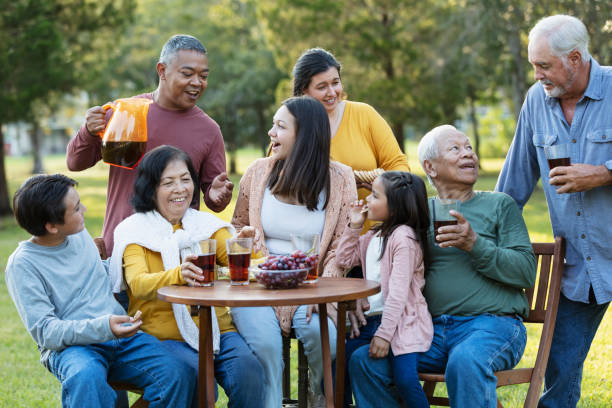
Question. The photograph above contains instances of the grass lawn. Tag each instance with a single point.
(25, 383)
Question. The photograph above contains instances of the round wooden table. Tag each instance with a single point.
(327, 290)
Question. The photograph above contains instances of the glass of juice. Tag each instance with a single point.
(557, 155)
(206, 260)
(441, 213)
(308, 247)
(239, 255)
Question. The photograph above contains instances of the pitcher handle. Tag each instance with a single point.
(106, 107)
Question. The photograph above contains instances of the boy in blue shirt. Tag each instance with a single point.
(63, 295)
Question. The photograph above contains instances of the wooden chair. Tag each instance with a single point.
(120, 386)
(543, 309)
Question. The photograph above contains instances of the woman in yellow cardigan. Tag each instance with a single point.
(146, 256)
(361, 138)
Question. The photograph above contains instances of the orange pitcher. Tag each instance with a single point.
(124, 139)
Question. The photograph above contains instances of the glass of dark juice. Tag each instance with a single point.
(557, 155)
(206, 260)
(441, 213)
(239, 255)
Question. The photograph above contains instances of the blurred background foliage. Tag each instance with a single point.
(419, 63)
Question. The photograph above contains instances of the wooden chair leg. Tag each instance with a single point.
(429, 387)
(286, 370)
(302, 377)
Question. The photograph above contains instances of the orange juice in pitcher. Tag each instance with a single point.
(124, 139)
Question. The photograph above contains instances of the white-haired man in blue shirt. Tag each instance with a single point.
(570, 104)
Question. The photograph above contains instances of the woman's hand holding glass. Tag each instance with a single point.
(192, 275)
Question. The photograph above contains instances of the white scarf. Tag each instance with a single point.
(152, 231)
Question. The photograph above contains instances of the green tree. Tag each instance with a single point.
(385, 48)
(43, 49)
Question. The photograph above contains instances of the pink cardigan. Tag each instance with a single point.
(343, 191)
(406, 322)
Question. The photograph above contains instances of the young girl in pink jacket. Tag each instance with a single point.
(397, 325)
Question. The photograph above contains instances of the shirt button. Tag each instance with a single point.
(603, 137)
(578, 213)
(573, 140)
(588, 258)
(582, 236)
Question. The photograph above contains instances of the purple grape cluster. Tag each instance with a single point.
(297, 260)
(284, 272)
(281, 279)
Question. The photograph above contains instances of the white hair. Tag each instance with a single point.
(564, 33)
(428, 146)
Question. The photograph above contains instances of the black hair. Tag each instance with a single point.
(40, 200)
(305, 172)
(407, 205)
(149, 175)
(311, 62)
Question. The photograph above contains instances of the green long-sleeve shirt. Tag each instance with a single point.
(491, 277)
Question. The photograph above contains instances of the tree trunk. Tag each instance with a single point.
(5, 206)
(265, 140)
(474, 121)
(398, 131)
(519, 87)
(233, 166)
(35, 140)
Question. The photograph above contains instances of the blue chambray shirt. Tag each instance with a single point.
(584, 219)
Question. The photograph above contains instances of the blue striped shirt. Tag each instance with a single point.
(585, 218)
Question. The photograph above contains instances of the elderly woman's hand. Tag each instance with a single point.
(192, 275)
(460, 236)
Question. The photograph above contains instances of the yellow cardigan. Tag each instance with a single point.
(364, 141)
(144, 273)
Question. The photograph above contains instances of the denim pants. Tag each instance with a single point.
(236, 369)
(260, 329)
(140, 360)
(468, 348)
(403, 369)
(575, 328)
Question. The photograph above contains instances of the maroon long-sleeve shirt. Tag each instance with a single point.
(192, 131)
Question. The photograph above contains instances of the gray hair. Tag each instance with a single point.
(428, 146)
(177, 43)
(564, 33)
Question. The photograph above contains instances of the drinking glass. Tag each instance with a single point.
(309, 244)
(441, 213)
(557, 155)
(206, 251)
(239, 255)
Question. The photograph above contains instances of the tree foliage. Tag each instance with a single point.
(45, 48)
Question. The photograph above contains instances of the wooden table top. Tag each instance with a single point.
(326, 290)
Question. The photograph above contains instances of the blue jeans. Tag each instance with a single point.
(403, 368)
(260, 329)
(140, 360)
(575, 328)
(469, 349)
(236, 369)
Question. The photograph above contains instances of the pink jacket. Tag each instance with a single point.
(406, 322)
(343, 191)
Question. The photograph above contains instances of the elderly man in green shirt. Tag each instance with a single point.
(474, 283)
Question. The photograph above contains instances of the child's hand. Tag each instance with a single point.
(379, 347)
(357, 215)
(125, 326)
(357, 318)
